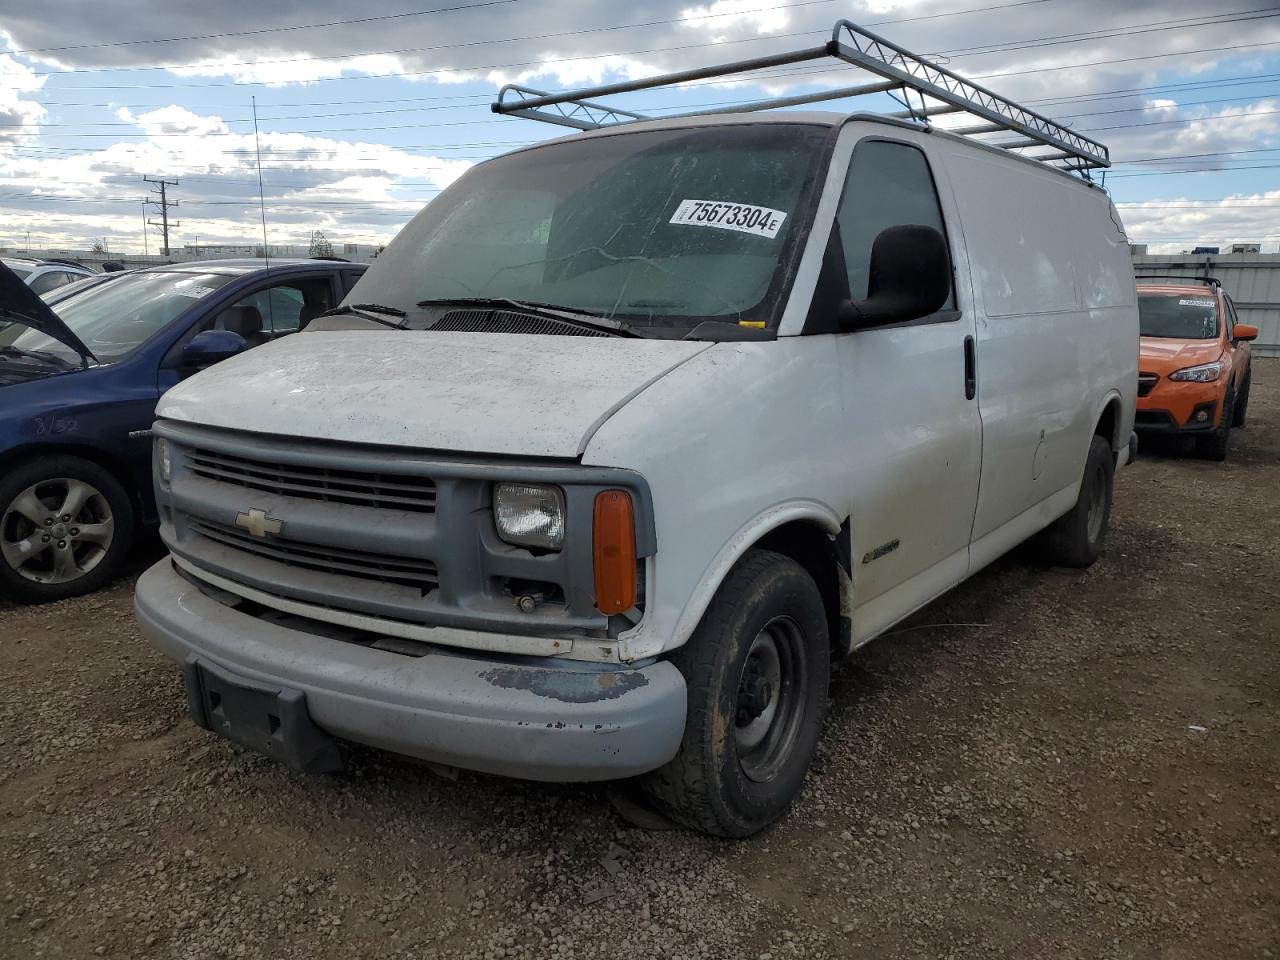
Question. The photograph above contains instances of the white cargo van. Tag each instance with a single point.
(628, 435)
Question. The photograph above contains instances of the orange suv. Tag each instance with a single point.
(1193, 362)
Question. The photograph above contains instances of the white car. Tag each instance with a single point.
(45, 275)
(626, 436)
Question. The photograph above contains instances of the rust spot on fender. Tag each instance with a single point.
(565, 686)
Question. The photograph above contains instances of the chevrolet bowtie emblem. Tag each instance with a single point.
(259, 524)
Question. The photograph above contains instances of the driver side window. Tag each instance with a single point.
(275, 311)
(889, 185)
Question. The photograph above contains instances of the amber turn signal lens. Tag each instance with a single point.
(614, 549)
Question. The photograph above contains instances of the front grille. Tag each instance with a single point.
(377, 567)
(388, 491)
(1146, 383)
(505, 321)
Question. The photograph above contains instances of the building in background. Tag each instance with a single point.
(1251, 278)
(355, 252)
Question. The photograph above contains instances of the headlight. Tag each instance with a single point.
(529, 515)
(1204, 373)
(164, 459)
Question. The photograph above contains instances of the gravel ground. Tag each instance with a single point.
(1042, 764)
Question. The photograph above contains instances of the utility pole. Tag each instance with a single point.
(164, 203)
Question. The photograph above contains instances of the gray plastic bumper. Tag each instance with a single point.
(564, 722)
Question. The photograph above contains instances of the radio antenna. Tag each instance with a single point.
(262, 203)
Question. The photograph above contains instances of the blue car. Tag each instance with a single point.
(78, 392)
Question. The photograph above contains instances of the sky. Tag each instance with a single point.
(366, 112)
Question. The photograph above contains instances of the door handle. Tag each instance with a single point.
(970, 370)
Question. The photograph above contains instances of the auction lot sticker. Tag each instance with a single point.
(743, 217)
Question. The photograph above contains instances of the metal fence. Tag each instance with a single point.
(1251, 279)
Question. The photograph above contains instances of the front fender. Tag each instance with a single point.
(737, 441)
(749, 534)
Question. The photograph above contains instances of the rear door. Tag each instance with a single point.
(909, 397)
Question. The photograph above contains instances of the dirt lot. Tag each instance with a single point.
(1043, 764)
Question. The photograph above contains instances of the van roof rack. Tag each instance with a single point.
(1207, 281)
(938, 91)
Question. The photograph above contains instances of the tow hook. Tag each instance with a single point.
(529, 602)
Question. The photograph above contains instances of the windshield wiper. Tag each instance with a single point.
(65, 336)
(583, 318)
(366, 311)
(42, 355)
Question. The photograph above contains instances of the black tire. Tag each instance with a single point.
(60, 558)
(1214, 446)
(1076, 539)
(1241, 412)
(720, 782)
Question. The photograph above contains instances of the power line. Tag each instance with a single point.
(1227, 17)
(417, 13)
(259, 32)
(484, 98)
(654, 109)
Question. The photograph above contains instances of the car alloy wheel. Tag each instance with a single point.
(56, 530)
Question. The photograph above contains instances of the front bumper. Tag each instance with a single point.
(1156, 420)
(563, 721)
(1174, 407)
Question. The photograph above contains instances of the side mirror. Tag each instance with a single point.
(212, 346)
(1245, 331)
(910, 278)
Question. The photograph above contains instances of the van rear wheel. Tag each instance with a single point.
(1075, 540)
(757, 669)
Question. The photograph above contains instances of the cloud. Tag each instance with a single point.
(18, 116)
(1032, 52)
(725, 15)
(352, 190)
(174, 120)
(1171, 226)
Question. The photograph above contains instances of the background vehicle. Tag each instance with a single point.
(75, 429)
(627, 435)
(45, 275)
(1194, 372)
(58, 294)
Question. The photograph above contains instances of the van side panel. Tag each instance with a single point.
(1057, 330)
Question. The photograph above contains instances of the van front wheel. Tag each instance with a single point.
(757, 669)
(1075, 540)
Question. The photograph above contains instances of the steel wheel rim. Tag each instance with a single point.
(56, 530)
(765, 737)
(1097, 503)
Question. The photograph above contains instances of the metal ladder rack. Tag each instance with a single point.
(938, 92)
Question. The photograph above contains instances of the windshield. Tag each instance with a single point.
(1178, 316)
(662, 229)
(114, 319)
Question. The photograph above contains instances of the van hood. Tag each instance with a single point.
(1163, 355)
(507, 394)
(19, 304)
